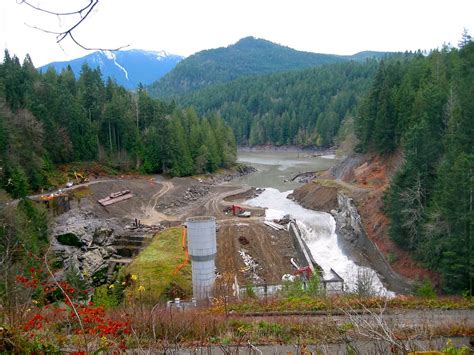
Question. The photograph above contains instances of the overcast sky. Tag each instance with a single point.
(187, 26)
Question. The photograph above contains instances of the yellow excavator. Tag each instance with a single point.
(80, 178)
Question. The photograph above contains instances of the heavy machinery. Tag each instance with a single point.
(80, 178)
(304, 272)
(240, 212)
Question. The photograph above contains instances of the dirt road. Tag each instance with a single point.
(247, 249)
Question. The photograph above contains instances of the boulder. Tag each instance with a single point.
(103, 235)
(92, 262)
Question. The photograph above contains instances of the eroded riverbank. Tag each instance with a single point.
(318, 228)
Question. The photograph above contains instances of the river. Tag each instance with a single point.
(274, 170)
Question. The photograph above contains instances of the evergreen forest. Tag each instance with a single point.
(424, 107)
(304, 107)
(420, 106)
(248, 57)
(49, 119)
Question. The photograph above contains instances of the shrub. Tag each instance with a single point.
(424, 289)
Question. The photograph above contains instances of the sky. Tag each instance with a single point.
(188, 26)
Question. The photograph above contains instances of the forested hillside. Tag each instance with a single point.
(47, 119)
(248, 57)
(304, 107)
(425, 106)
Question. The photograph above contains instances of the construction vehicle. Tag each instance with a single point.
(52, 196)
(304, 272)
(240, 212)
(80, 178)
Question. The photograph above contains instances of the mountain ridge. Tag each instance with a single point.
(249, 56)
(129, 68)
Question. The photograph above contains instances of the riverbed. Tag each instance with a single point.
(275, 170)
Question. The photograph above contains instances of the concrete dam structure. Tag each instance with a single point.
(202, 249)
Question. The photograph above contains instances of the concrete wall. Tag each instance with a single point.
(302, 252)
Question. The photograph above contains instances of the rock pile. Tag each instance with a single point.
(83, 244)
(195, 192)
(242, 170)
(192, 193)
(304, 179)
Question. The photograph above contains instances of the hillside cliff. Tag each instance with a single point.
(364, 179)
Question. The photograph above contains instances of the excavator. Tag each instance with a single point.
(238, 211)
(80, 178)
(303, 272)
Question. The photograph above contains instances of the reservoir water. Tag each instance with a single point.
(276, 168)
(318, 228)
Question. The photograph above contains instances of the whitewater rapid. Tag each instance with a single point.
(319, 232)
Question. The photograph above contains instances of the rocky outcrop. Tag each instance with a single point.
(349, 227)
(84, 244)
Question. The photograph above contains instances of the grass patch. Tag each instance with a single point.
(155, 266)
(307, 303)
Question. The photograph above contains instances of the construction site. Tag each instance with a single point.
(127, 212)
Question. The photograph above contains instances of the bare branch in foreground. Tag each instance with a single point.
(83, 13)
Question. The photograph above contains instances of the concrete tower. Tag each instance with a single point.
(202, 250)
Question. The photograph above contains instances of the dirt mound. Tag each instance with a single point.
(246, 195)
(253, 252)
(316, 197)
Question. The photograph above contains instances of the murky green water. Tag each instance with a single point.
(276, 168)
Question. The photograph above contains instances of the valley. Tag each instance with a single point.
(164, 202)
(160, 203)
(167, 202)
(252, 194)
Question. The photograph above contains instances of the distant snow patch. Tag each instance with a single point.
(160, 55)
(110, 55)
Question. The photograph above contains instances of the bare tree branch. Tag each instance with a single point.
(372, 325)
(83, 13)
(91, 4)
